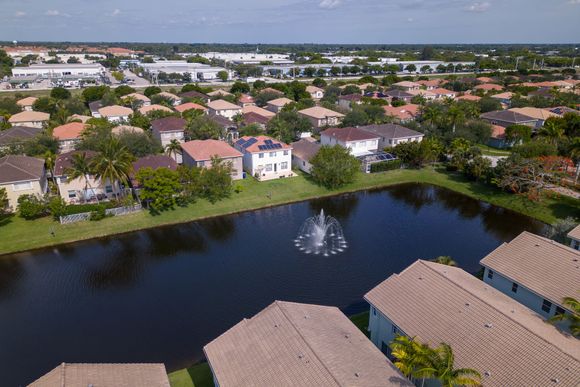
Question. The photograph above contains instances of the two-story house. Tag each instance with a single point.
(316, 93)
(360, 142)
(265, 158)
(115, 113)
(29, 118)
(224, 108)
(68, 135)
(321, 117)
(574, 236)
(199, 153)
(391, 135)
(276, 105)
(22, 175)
(167, 129)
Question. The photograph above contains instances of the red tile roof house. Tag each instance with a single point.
(488, 87)
(246, 100)
(403, 113)
(289, 344)
(347, 101)
(190, 105)
(68, 135)
(26, 103)
(265, 158)
(115, 113)
(358, 141)
(198, 153)
(167, 129)
(224, 108)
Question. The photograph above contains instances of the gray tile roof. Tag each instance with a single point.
(392, 131)
(18, 134)
(14, 168)
(305, 149)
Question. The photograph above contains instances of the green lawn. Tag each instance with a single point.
(197, 376)
(17, 234)
(490, 151)
(361, 321)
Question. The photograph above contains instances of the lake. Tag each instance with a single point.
(160, 295)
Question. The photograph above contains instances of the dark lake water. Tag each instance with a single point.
(160, 295)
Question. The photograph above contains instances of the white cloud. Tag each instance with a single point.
(410, 20)
(329, 4)
(19, 14)
(52, 12)
(478, 7)
(116, 12)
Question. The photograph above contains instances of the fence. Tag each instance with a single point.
(117, 211)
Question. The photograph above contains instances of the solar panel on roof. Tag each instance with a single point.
(277, 146)
(261, 147)
(267, 142)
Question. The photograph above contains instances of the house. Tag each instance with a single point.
(80, 117)
(535, 271)
(302, 152)
(189, 106)
(485, 79)
(22, 175)
(94, 108)
(347, 101)
(204, 98)
(68, 135)
(426, 94)
(122, 129)
(468, 97)
(430, 83)
(399, 95)
(115, 113)
(271, 90)
(561, 110)
(246, 100)
(574, 236)
(143, 100)
(29, 118)
(219, 93)
(81, 189)
(498, 138)
(276, 105)
(406, 85)
(17, 135)
(153, 162)
(509, 344)
(27, 103)
(167, 129)
(291, 344)
(255, 118)
(223, 108)
(321, 117)
(506, 118)
(391, 135)
(150, 108)
(488, 87)
(442, 93)
(316, 93)
(258, 110)
(198, 153)
(504, 98)
(105, 375)
(403, 113)
(175, 100)
(541, 115)
(265, 158)
(357, 140)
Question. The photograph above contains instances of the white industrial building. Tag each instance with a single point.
(91, 70)
(248, 57)
(197, 71)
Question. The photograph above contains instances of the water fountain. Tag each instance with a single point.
(321, 235)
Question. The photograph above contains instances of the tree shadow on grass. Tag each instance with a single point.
(201, 375)
(6, 219)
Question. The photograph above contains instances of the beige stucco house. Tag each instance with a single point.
(22, 175)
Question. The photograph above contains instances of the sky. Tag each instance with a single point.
(292, 21)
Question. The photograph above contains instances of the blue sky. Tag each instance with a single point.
(293, 21)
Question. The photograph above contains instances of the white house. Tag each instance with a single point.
(302, 152)
(316, 93)
(224, 108)
(115, 113)
(358, 141)
(509, 344)
(574, 237)
(27, 103)
(265, 158)
(392, 134)
(535, 271)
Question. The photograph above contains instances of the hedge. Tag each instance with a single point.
(80, 208)
(385, 166)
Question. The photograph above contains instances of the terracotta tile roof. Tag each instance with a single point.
(105, 375)
(506, 342)
(64, 160)
(313, 89)
(18, 134)
(271, 90)
(115, 111)
(545, 267)
(290, 344)
(194, 94)
(168, 95)
(147, 109)
(422, 92)
(70, 131)
(255, 118)
(169, 124)
(253, 146)
(349, 134)
(507, 116)
(442, 91)
(406, 84)
(139, 97)
(219, 93)
(15, 168)
(280, 102)
(540, 114)
(485, 79)
(505, 95)
(405, 112)
(430, 82)
(28, 101)
(80, 117)
(201, 150)
(575, 233)
(220, 104)
(488, 86)
(188, 106)
(29, 116)
(469, 97)
(391, 131)
(126, 129)
(497, 132)
(305, 149)
(244, 98)
(320, 113)
(258, 110)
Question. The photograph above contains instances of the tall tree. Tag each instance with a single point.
(81, 168)
(112, 163)
(441, 366)
(173, 148)
(573, 317)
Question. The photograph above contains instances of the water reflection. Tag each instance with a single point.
(11, 272)
(340, 207)
(220, 228)
(414, 195)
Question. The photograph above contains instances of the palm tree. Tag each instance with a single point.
(173, 148)
(113, 163)
(455, 116)
(441, 367)
(430, 114)
(573, 318)
(410, 355)
(552, 131)
(445, 260)
(81, 168)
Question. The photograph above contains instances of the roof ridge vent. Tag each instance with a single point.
(488, 325)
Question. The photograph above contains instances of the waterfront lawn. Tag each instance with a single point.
(197, 376)
(361, 321)
(17, 234)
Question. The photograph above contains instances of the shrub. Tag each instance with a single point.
(99, 214)
(57, 207)
(385, 166)
(32, 207)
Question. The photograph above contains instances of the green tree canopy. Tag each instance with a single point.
(334, 166)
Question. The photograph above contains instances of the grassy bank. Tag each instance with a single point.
(200, 375)
(17, 234)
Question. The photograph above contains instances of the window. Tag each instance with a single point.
(272, 154)
(63, 179)
(395, 329)
(546, 306)
(109, 189)
(285, 153)
(559, 310)
(303, 163)
(374, 311)
(362, 144)
(284, 165)
(268, 167)
(201, 164)
(261, 155)
(514, 287)
(72, 194)
(490, 274)
(22, 186)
